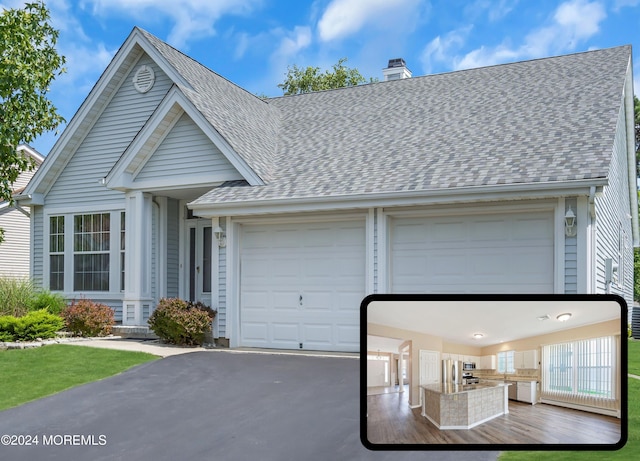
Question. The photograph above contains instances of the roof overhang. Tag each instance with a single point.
(502, 192)
(171, 108)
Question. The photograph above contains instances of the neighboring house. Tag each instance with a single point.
(284, 213)
(14, 220)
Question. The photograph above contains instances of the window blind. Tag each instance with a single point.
(582, 372)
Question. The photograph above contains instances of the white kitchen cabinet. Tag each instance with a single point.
(487, 362)
(527, 392)
(526, 360)
(446, 356)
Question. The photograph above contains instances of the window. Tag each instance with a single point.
(506, 361)
(580, 368)
(56, 253)
(91, 244)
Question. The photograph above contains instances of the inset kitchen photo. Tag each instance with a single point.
(493, 372)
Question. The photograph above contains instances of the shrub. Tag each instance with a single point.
(52, 302)
(37, 324)
(15, 296)
(179, 322)
(86, 318)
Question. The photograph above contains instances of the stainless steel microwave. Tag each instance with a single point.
(468, 366)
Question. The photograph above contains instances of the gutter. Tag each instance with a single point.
(497, 192)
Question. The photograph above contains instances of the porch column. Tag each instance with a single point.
(137, 260)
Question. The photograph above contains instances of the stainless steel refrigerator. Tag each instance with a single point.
(451, 371)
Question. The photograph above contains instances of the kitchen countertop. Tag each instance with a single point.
(448, 388)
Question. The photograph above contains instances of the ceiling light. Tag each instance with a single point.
(478, 336)
(564, 317)
(544, 317)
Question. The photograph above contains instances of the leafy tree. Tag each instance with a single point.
(311, 79)
(28, 64)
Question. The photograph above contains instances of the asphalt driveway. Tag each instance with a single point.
(207, 406)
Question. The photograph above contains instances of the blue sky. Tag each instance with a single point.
(251, 42)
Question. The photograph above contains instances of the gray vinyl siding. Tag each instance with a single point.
(37, 242)
(185, 152)
(14, 250)
(571, 255)
(173, 244)
(79, 182)
(222, 287)
(612, 216)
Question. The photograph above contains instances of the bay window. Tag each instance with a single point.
(86, 252)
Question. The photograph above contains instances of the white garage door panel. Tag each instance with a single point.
(324, 263)
(497, 253)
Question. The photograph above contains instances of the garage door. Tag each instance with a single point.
(301, 285)
(498, 253)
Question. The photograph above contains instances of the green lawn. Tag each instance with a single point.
(630, 451)
(30, 374)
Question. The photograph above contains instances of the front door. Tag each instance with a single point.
(199, 286)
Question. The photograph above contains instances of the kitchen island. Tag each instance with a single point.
(457, 406)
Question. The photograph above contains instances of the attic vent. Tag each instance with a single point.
(144, 79)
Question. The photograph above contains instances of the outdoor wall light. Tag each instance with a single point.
(564, 317)
(220, 237)
(570, 229)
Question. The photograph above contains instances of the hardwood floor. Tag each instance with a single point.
(386, 389)
(391, 421)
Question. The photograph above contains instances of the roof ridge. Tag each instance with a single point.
(152, 36)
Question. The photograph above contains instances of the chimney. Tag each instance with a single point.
(396, 70)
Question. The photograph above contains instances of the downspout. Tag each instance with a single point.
(631, 156)
(591, 288)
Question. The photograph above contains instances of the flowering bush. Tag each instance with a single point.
(86, 318)
(180, 322)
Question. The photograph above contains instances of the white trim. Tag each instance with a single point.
(383, 251)
(215, 277)
(583, 217)
(393, 199)
(465, 209)
(233, 284)
(370, 251)
(559, 246)
(161, 249)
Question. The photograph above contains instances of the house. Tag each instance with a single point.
(284, 213)
(560, 356)
(16, 223)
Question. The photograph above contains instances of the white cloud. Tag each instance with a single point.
(295, 41)
(618, 4)
(343, 18)
(572, 22)
(192, 18)
(440, 48)
(496, 10)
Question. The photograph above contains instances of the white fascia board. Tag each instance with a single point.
(47, 174)
(31, 152)
(393, 199)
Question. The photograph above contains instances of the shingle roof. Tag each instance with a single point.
(546, 120)
(247, 123)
